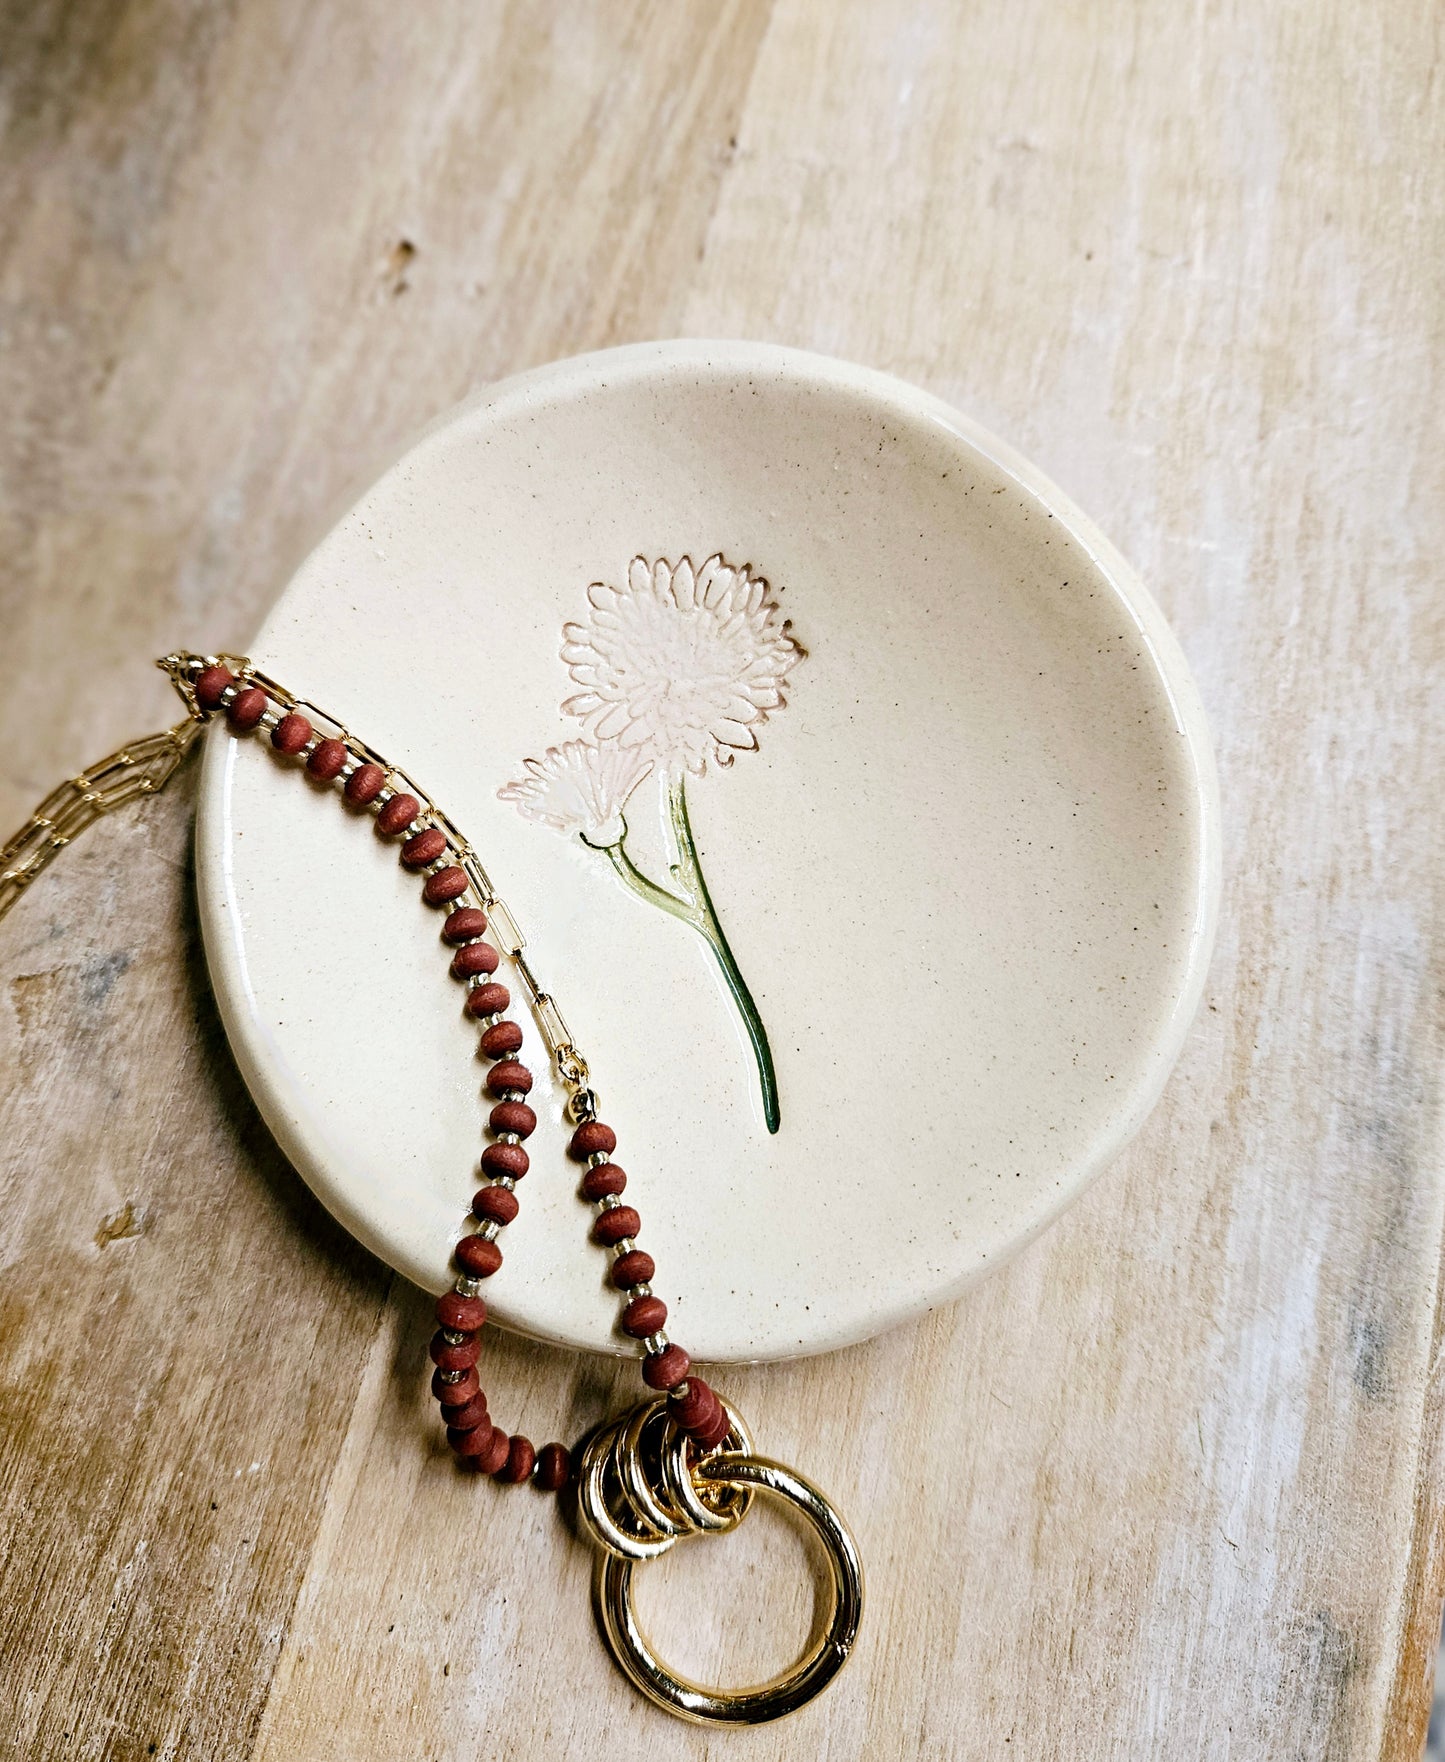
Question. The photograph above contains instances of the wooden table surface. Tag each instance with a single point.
(1170, 1485)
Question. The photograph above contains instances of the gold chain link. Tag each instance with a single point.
(142, 768)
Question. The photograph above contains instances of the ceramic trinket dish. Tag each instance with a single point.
(852, 782)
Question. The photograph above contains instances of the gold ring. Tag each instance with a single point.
(612, 1599)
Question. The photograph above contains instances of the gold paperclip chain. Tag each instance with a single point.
(142, 768)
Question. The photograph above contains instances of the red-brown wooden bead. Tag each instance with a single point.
(612, 1226)
(710, 1436)
(644, 1316)
(211, 683)
(510, 1074)
(290, 734)
(520, 1457)
(713, 1426)
(494, 1205)
(494, 1456)
(477, 1257)
(468, 1417)
(636, 1267)
(506, 1159)
(590, 1138)
(423, 847)
(463, 924)
(449, 1355)
(512, 1116)
(457, 1396)
(554, 1468)
(488, 1000)
(247, 707)
(327, 760)
(474, 1441)
(472, 960)
(445, 886)
(477, 1002)
(397, 814)
(464, 1315)
(666, 1369)
(604, 1179)
(454, 1394)
(695, 1406)
(500, 1038)
(364, 784)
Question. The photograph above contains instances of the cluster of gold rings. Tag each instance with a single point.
(639, 1492)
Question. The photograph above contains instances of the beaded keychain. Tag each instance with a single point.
(682, 1463)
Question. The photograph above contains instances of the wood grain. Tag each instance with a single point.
(1171, 1484)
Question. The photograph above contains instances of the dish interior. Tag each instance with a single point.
(965, 875)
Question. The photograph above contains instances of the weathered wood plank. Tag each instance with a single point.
(1168, 1485)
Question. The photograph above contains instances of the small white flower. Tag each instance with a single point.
(578, 787)
(685, 664)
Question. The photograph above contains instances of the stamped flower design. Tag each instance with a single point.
(676, 671)
(578, 787)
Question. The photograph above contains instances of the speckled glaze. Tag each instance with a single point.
(970, 871)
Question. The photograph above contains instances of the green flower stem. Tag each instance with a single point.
(642, 885)
(709, 926)
(698, 911)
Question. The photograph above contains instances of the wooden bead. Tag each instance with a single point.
(472, 1442)
(590, 1138)
(644, 1316)
(454, 1394)
(211, 683)
(506, 1159)
(454, 1355)
(554, 1468)
(290, 734)
(710, 1436)
(500, 1038)
(666, 1369)
(364, 784)
(423, 847)
(452, 1402)
(471, 1414)
(510, 1074)
(247, 707)
(604, 1179)
(496, 1453)
(495, 1205)
(636, 1267)
(327, 760)
(445, 886)
(520, 1457)
(488, 1000)
(476, 1005)
(694, 1406)
(477, 1257)
(612, 1226)
(711, 1426)
(464, 923)
(462, 1314)
(397, 814)
(474, 958)
(512, 1116)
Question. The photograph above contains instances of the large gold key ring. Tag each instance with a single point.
(638, 1495)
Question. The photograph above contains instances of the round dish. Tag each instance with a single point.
(943, 882)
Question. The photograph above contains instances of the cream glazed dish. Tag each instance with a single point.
(854, 798)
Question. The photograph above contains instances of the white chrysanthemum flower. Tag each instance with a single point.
(685, 664)
(578, 787)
